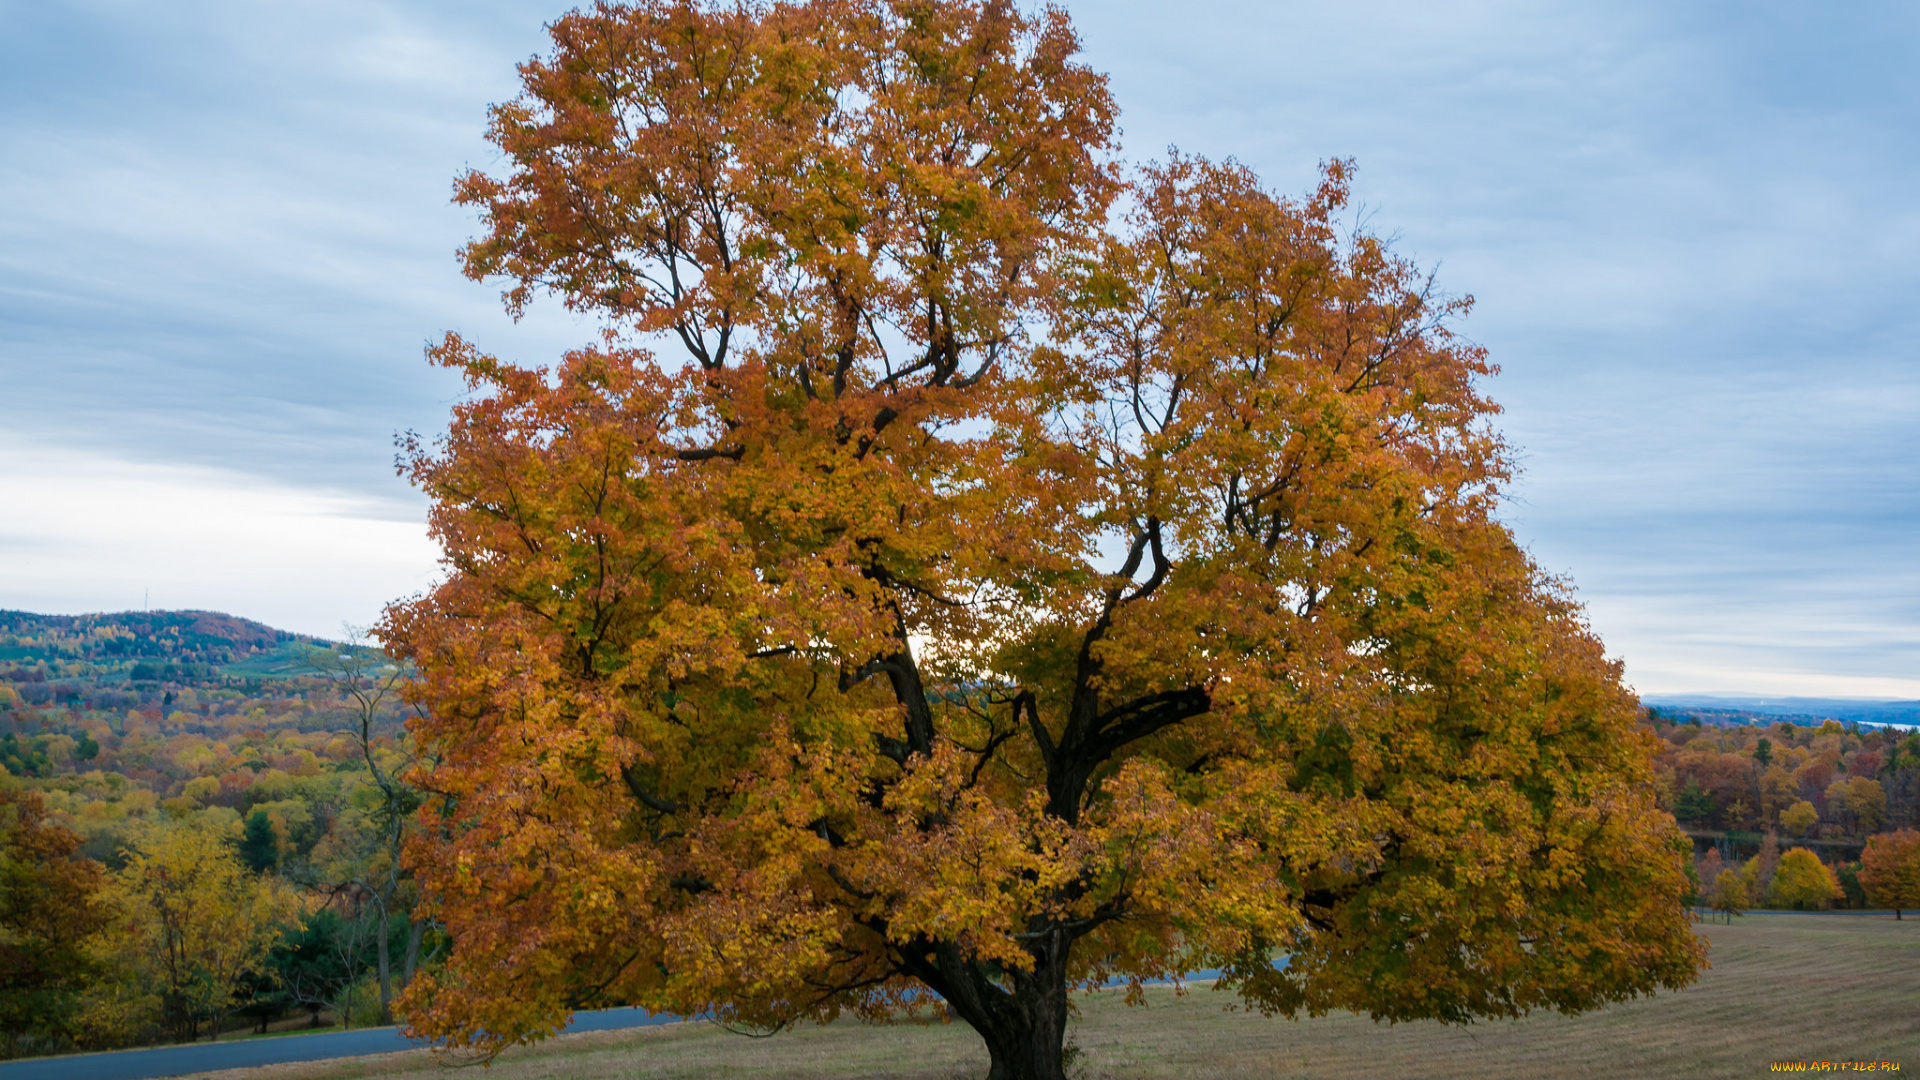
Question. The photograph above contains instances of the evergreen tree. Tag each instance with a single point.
(259, 848)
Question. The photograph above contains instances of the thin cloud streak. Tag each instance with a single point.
(239, 235)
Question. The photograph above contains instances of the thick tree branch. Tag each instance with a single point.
(708, 453)
(648, 798)
(1142, 717)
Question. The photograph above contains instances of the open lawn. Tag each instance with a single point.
(1782, 987)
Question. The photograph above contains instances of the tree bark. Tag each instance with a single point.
(386, 968)
(1020, 1015)
(416, 930)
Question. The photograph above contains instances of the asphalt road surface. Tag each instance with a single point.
(245, 1053)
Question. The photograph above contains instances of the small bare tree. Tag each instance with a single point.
(372, 687)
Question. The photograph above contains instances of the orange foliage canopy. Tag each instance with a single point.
(1890, 870)
(986, 592)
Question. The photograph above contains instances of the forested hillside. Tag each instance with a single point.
(179, 711)
(237, 789)
(80, 693)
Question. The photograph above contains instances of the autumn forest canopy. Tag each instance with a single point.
(969, 567)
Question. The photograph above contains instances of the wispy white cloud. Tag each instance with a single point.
(232, 232)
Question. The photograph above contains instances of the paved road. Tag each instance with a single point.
(205, 1057)
(1849, 913)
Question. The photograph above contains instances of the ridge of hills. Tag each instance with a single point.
(128, 691)
(125, 649)
(117, 718)
(147, 734)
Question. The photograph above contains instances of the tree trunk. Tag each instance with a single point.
(348, 945)
(386, 969)
(1025, 1029)
(416, 930)
(1038, 1049)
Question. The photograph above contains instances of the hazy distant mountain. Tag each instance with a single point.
(1797, 709)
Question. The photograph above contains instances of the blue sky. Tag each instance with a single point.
(1691, 229)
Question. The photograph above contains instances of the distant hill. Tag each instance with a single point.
(51, 659)
(137, 659)
(144, 716)
(182, 647)
(72, 686)
(1737, 708)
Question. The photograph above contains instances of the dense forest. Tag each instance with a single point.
(1843, 796)
(1824, 781)
(201, 821)
(216, 808)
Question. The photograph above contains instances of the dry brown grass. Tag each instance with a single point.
(1794, 987)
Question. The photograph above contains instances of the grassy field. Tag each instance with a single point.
(1782, 987)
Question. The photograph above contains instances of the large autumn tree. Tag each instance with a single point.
(967, 566)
